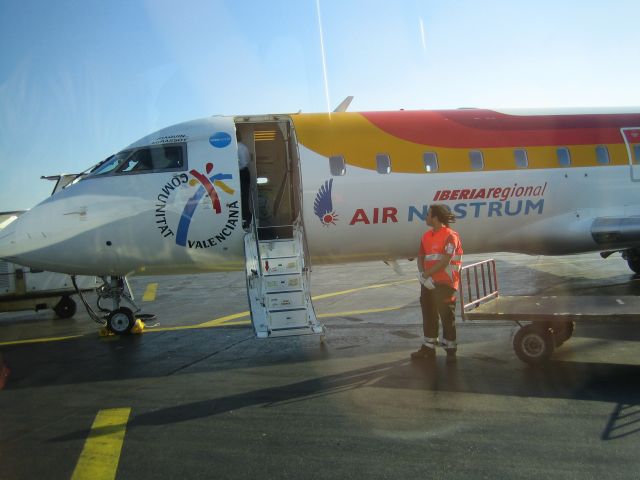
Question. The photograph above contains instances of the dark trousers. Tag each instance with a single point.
(245, 191)
(438, 303)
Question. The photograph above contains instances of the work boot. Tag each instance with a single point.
(425, 352)
(451, 356)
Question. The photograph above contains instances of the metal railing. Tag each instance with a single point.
(478, 284)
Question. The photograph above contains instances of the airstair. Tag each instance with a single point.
(278, 284)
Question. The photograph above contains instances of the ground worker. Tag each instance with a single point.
(439, 264)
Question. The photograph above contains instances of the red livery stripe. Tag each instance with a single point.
(475, 128)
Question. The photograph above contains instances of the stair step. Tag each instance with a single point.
(285, 300)
(270, 267)
(281, 283)
(275, 249)
(288, 319)
(287, 332)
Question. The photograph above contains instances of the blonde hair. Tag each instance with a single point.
(442, 213)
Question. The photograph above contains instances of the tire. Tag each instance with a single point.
(634, 264)
(534, 344)
(562, 331)
(65, 308)
(121, 321)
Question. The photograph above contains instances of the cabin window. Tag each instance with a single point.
(430, 160)
(602, 154)
(383, 163)
(636, 153)
(520, 156)
(160, 158)
(476, 159)
(564, 156)
(337, 165)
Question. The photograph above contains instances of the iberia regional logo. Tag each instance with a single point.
(323, 205)
(206, 184)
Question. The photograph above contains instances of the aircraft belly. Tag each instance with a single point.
(611, 232)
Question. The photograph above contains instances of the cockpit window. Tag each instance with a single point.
(159, 158)
(138, 161)
(110, 164)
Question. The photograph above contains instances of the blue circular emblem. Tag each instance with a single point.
(220, 139)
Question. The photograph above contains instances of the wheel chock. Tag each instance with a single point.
(138, 327)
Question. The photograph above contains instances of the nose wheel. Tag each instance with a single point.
(121, 321)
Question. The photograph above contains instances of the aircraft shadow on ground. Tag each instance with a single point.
(580, 381)
(164, 354)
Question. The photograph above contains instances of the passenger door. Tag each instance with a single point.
(631, 137)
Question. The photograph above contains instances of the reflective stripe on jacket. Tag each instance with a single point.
(436, 246)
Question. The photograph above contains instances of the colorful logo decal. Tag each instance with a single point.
(220, 139)
(323, 205)
(206, 184)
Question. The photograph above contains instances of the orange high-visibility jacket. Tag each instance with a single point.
(434, 246)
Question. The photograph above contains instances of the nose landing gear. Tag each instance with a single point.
(118, 319)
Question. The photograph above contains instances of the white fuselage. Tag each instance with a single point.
(141, 223)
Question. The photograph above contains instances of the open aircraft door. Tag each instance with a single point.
(631, 137)
(276, 253)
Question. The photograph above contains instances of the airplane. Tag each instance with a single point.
(28, 289)
(336, 187)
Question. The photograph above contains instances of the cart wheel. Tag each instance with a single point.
(562, 332)
(65, 308)
(533, 344)
(121, 321)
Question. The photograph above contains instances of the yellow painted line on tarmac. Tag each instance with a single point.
(225, 321)
(101, 453)
(231, 320)
(230, 324)
(353, 290)
(38, 340)
(218, 321)
(358, 312)
(170, 329)
(150, 293)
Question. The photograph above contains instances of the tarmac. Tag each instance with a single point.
(197, 396)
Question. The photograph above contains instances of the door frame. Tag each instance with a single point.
(631, 136)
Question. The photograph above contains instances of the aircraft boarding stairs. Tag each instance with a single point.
(278, 285)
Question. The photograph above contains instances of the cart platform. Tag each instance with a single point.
(550, 319)
(560, 308)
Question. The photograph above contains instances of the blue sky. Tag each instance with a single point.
(81, 79)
